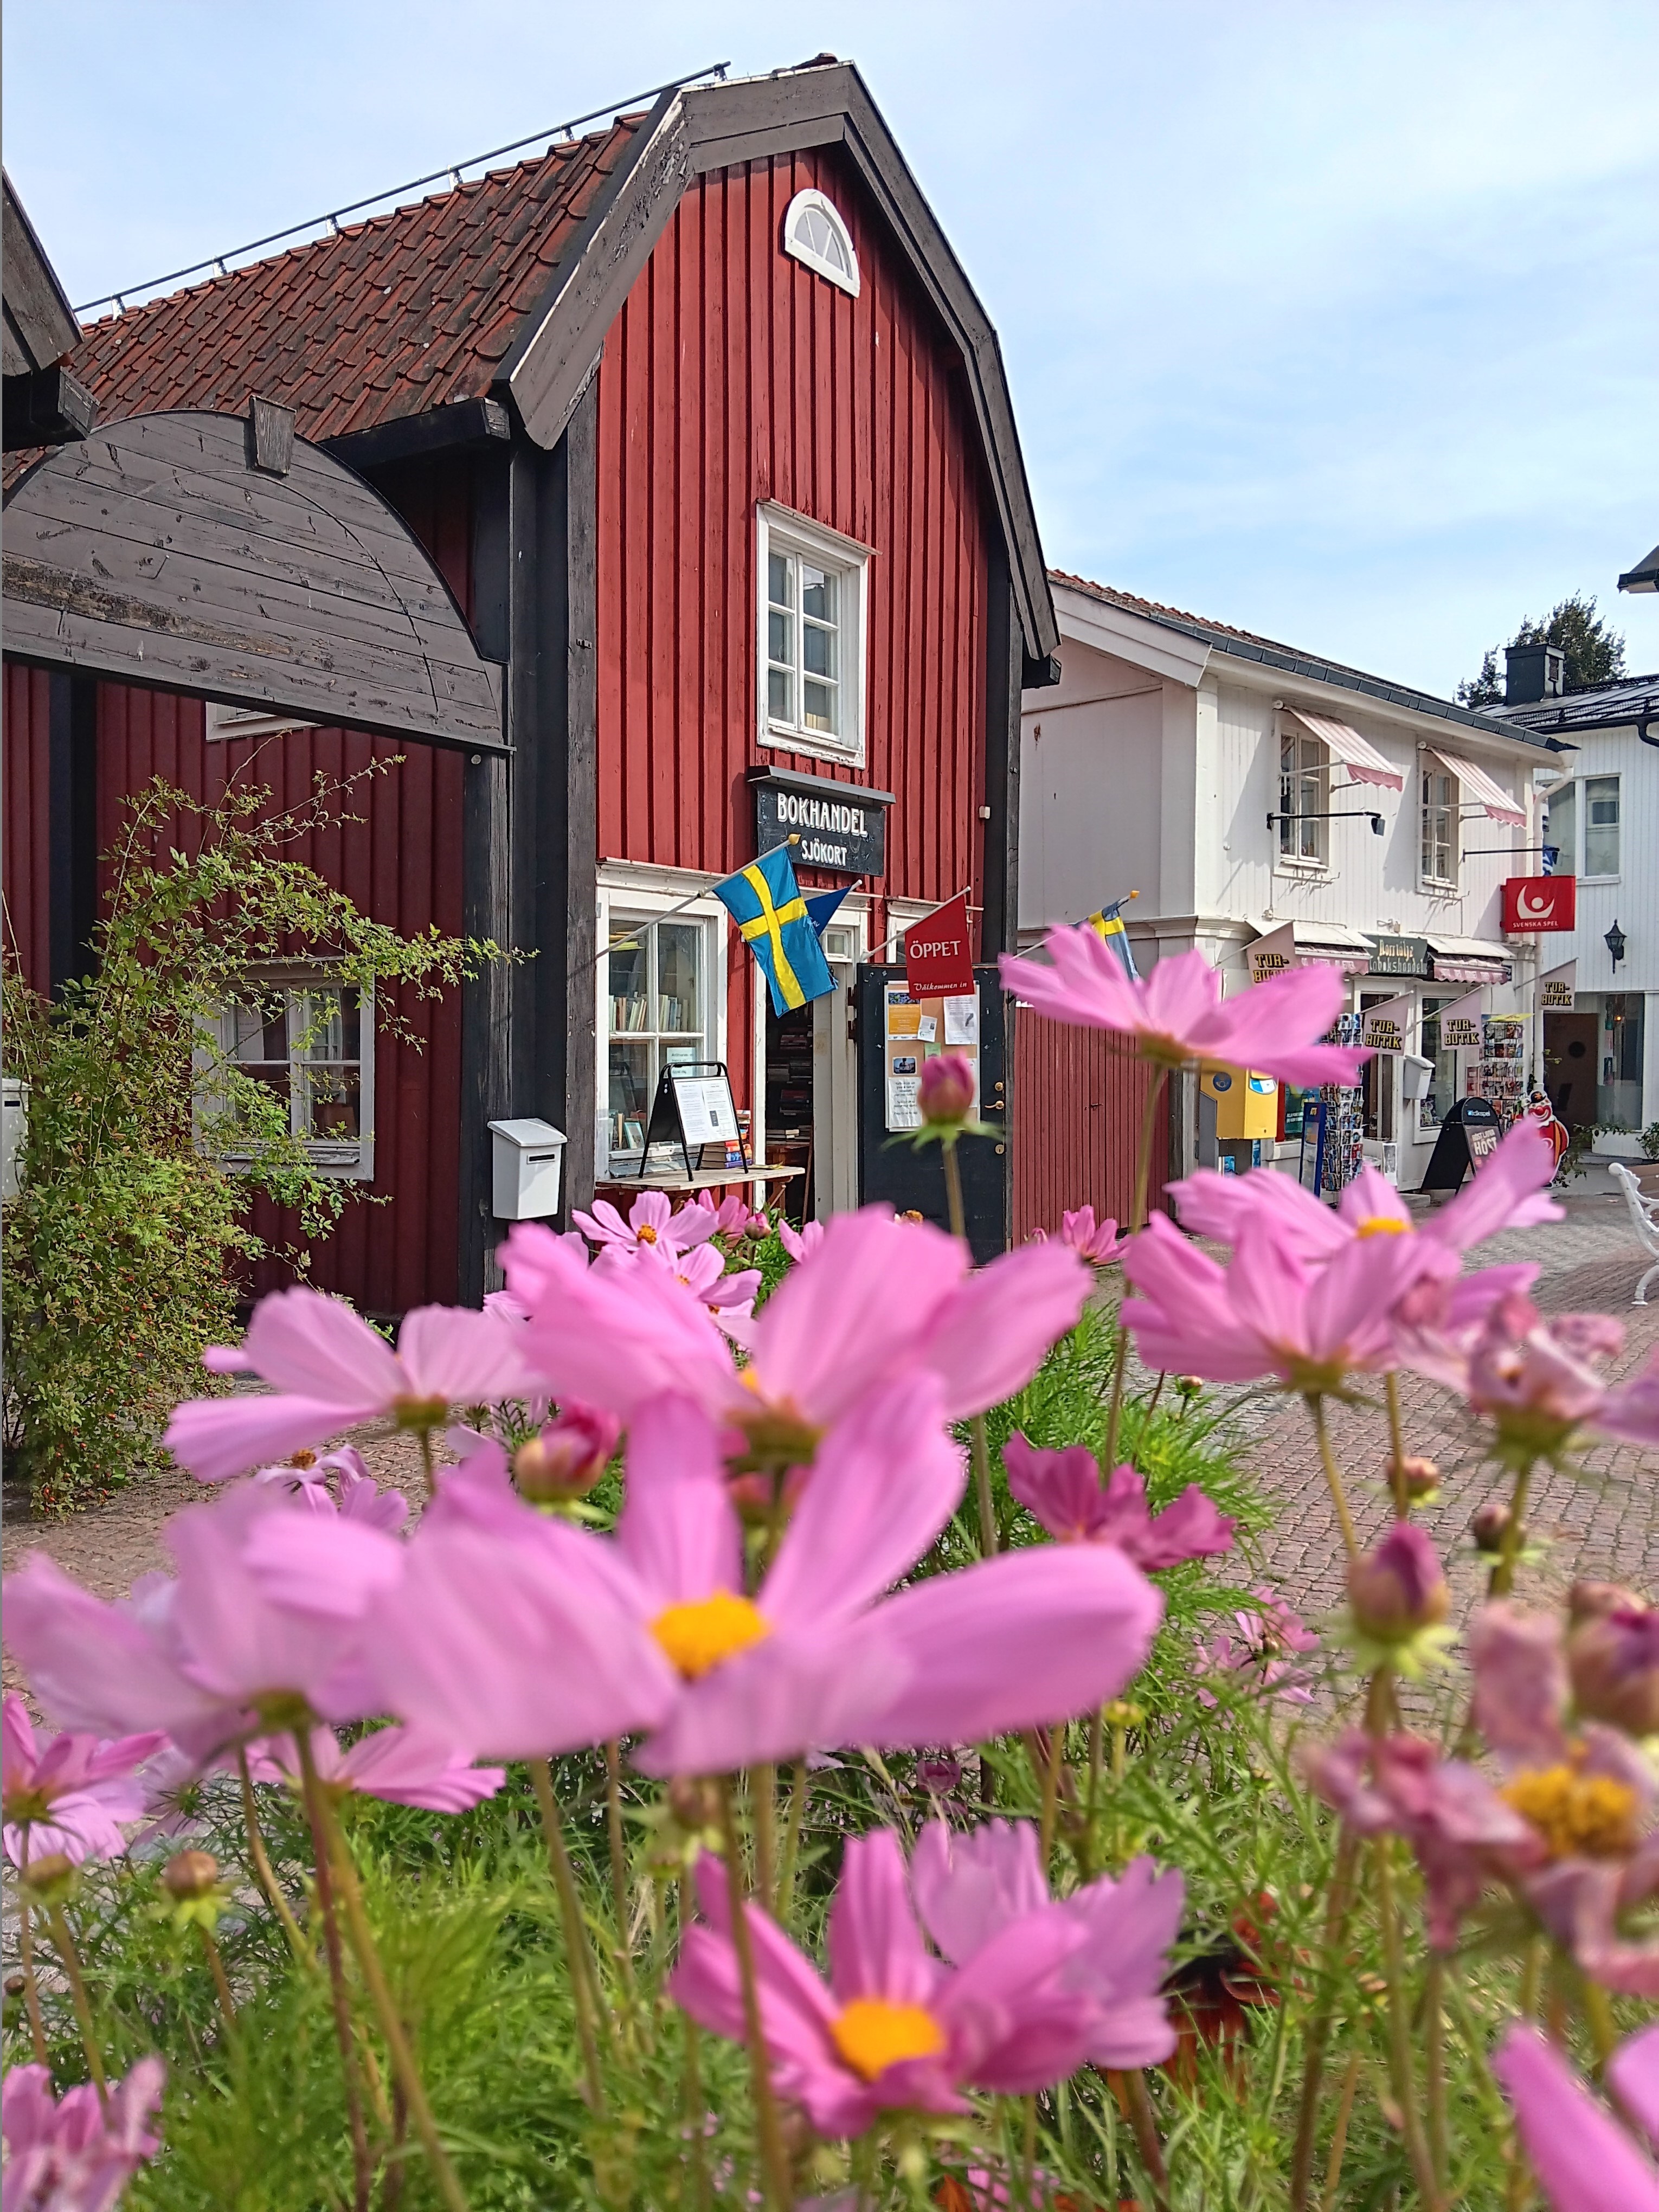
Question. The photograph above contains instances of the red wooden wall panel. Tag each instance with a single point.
(25, 855)
(1078, 1093)
(734, 375)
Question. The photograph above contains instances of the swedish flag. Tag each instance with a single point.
(1109, 924)
(764, 900)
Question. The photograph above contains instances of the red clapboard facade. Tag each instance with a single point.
(597, 388)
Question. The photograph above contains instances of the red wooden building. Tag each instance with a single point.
(701, 424)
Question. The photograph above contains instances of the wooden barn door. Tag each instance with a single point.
(1077, 1096)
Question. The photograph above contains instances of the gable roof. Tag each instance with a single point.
(1270, 652)
(506, 286)
(1633, 699)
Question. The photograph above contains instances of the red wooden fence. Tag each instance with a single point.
(1078, 1099)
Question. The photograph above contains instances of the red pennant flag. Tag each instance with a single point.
(939, 953)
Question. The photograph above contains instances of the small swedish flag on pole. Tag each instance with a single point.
(764, 900)
(1109, 924)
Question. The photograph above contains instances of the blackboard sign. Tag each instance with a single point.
(841, 826)
(693, 1108)
(1468, 1137)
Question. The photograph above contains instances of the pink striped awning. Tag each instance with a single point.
(1358, 755)
(1479, 787)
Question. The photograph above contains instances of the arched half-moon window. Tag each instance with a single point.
(814, 234)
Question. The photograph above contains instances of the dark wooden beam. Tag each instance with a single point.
(407, 437)
(46, 407)
(1003, 666)
(72, 827)
(40, 323)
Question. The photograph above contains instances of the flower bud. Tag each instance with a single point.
(565, 1460)
(1398, 1587)
(694, 1801)
(1188, 1385)
(190, 1874)
(1490, 1525)
(1613, 1661)
(938, 1776)
(946, 1093)
(1422, 1478)
(51, 1877)
(1587, 1601)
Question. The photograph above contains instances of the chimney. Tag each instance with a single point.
(1532, 673)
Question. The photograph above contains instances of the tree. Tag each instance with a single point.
(1595, 654)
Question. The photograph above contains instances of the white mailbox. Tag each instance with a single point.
(527, 1159)
(1416, 1074)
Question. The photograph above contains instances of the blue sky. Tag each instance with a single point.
(1335, 321)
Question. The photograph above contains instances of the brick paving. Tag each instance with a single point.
(1601, 1521)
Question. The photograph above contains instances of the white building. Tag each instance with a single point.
(1601, 1060)
(1244, 790)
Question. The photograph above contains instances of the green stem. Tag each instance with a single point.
(1503, 1573)
(988, 1519)
(26, 1956)
(406, 2072)
(1157, 1392)
(59, 1924)
(1598, 2013)
(799, 1792)
(1400, 2032)
(1316, 1404)
(613, 1825)
(344, 2033)
(221, 1980)
(584, 1992)
(262, 1866)
(1402, 1503)
(774, 2164)
(763, 1813)
(427, 1466)
(1097, 1746)
(1143, 2121)
(1143, 1186)
(1339, 2134)
(1050, 1792)
(1319, 2028)
(1434, 2065)
(693, 2104)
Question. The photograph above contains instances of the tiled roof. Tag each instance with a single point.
(405, 312)
(1609, 707)
(1267, 652)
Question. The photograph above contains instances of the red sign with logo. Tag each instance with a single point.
(1532, 904)
(939, 953)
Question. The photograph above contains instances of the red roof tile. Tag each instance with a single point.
(391, 317)
(1157, 611)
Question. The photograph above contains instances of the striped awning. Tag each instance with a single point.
(1467, 959)
(1358, 755)
(1479, 786)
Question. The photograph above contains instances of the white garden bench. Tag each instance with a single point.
(1644, 1220)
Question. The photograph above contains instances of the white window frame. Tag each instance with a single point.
(1318, 862)
(1453, 812)
(1566, 861)
(225, 722)
(1613, 777)
(632, 893)
(777, 529)
(349, 1159)
(812, 201)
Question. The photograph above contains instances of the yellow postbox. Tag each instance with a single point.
(1246, 1104)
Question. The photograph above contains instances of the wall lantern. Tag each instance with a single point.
(1614, 941)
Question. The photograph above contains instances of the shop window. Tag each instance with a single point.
(1304, 782)
(658, 1002)
(1379, 1083)
(1439, 853)
(1600, 825)
(814, 232)
(810, 638)
(1561, 829)
(310, 1043)
(1618, 1092)
(1442, 1092)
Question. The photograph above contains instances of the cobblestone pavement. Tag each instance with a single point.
(1603, 1521)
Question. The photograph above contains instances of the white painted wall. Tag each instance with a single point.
(1091, 821)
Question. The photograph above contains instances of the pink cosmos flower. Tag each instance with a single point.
(892, 2029)
(701, 1268)
(361, 1498)
(970, 1888)
(651, 1224)
(332, 1371)
(1063, 1490)
(72, 2155)
(1177, 1012)
(1099, 1245)
(567, 1456)
(456, 1634)
(876, 1299)
(399, 1764)
(1585, 2161)
(1538, 1380)
(71, 1796)
(732, 1216)
(1270, 1636)
(800, 1243)
(1271, 1312)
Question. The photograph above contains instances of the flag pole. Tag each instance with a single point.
(626, 941)
(906, 926)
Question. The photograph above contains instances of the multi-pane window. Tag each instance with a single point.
(311, 1045)
(1302, 763)
(810, 635)
(1561, 829)
(657, 997)
(1442, 1093)
(1439, 848)
(1600, 825)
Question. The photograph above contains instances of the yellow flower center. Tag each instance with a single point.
(648, 1236)
(872, 2035)
(1578, 1815)
(700, 1633)
(1383, 1224)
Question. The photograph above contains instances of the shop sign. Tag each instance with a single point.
(840, 826)
(1557, 988)
(1400, 955)
(1535, 903)
(938, 954)
(1385, 1028)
